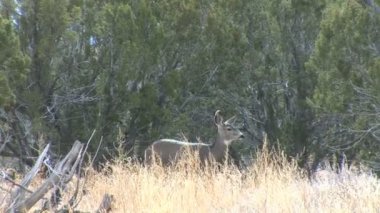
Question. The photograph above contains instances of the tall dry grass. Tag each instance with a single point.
(272, 184)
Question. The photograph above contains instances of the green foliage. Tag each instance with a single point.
(153, 69)
(344, 60)
(7, 98)
(12, 64)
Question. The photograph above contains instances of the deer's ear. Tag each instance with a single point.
(218, 119)
(231, 120)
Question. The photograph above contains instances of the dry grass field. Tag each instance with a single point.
(272, 184)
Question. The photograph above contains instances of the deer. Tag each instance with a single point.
(168, 150)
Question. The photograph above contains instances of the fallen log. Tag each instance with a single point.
(61, 174)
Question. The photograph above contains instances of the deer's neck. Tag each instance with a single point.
(219, 148)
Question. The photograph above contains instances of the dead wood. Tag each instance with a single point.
(106, 204)
(62, 173)
(18, 194)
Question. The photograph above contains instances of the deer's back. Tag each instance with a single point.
(168, 150)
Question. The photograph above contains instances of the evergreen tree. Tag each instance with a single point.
(346, 61)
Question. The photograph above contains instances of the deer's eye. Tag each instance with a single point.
(229, 129)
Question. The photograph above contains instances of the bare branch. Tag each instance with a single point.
(63, 172)
(19, 193)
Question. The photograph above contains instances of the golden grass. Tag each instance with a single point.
(272, 184)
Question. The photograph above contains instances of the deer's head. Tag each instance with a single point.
(226, 129)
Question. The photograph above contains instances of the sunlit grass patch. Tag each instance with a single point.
(271, 184)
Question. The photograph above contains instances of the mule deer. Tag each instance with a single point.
(167, 150)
